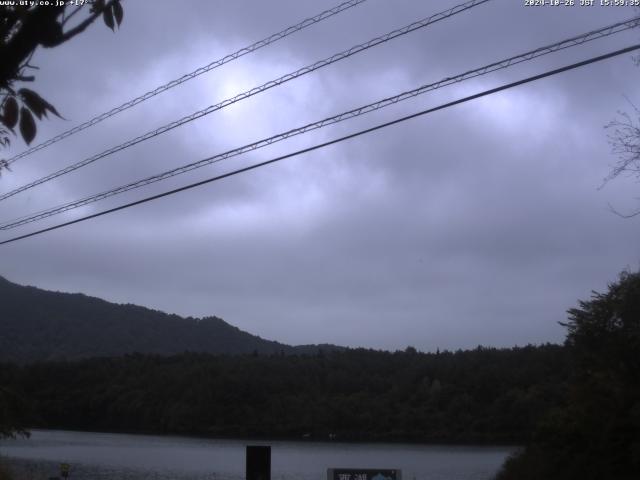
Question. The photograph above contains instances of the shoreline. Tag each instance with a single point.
(304, 440)
(108, 455)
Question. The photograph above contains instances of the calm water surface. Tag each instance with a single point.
(105, 456)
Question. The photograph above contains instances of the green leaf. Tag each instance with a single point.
(10, 116)
(107, 16)
(118, 12)
(27, 125)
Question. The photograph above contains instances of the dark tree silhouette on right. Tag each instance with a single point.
(596, 435)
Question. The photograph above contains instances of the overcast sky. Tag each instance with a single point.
(479, 224)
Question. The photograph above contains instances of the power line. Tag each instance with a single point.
(199, 71)
(249, 93)
(502, 64)
(332, 142)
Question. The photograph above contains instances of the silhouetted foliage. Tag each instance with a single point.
(24, 27)
(596, 435)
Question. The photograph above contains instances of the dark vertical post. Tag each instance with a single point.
(258, 462)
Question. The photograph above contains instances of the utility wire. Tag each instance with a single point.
(270, 84)
(332, 142)
(199, 71)
(502, 64)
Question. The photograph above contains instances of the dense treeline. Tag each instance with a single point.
(595, 435)
(481, 395)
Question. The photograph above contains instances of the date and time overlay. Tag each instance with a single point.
(526, 3)
(581, 3)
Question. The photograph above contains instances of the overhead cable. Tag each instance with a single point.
(249, 93)
(499, 65)
(331, 142)
(184, 78)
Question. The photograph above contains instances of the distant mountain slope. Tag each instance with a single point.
(40, 325)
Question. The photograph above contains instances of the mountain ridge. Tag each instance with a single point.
(44, 325)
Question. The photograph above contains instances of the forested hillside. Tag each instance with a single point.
(39, 325)
(482, 395)
(576, 406)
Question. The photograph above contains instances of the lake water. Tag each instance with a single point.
(107, 456)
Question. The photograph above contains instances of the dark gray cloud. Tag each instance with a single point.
(480, 224)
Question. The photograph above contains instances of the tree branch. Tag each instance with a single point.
(37, 28)
(68, 17)
(624, 138)
(81, 27)
(622, 215)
